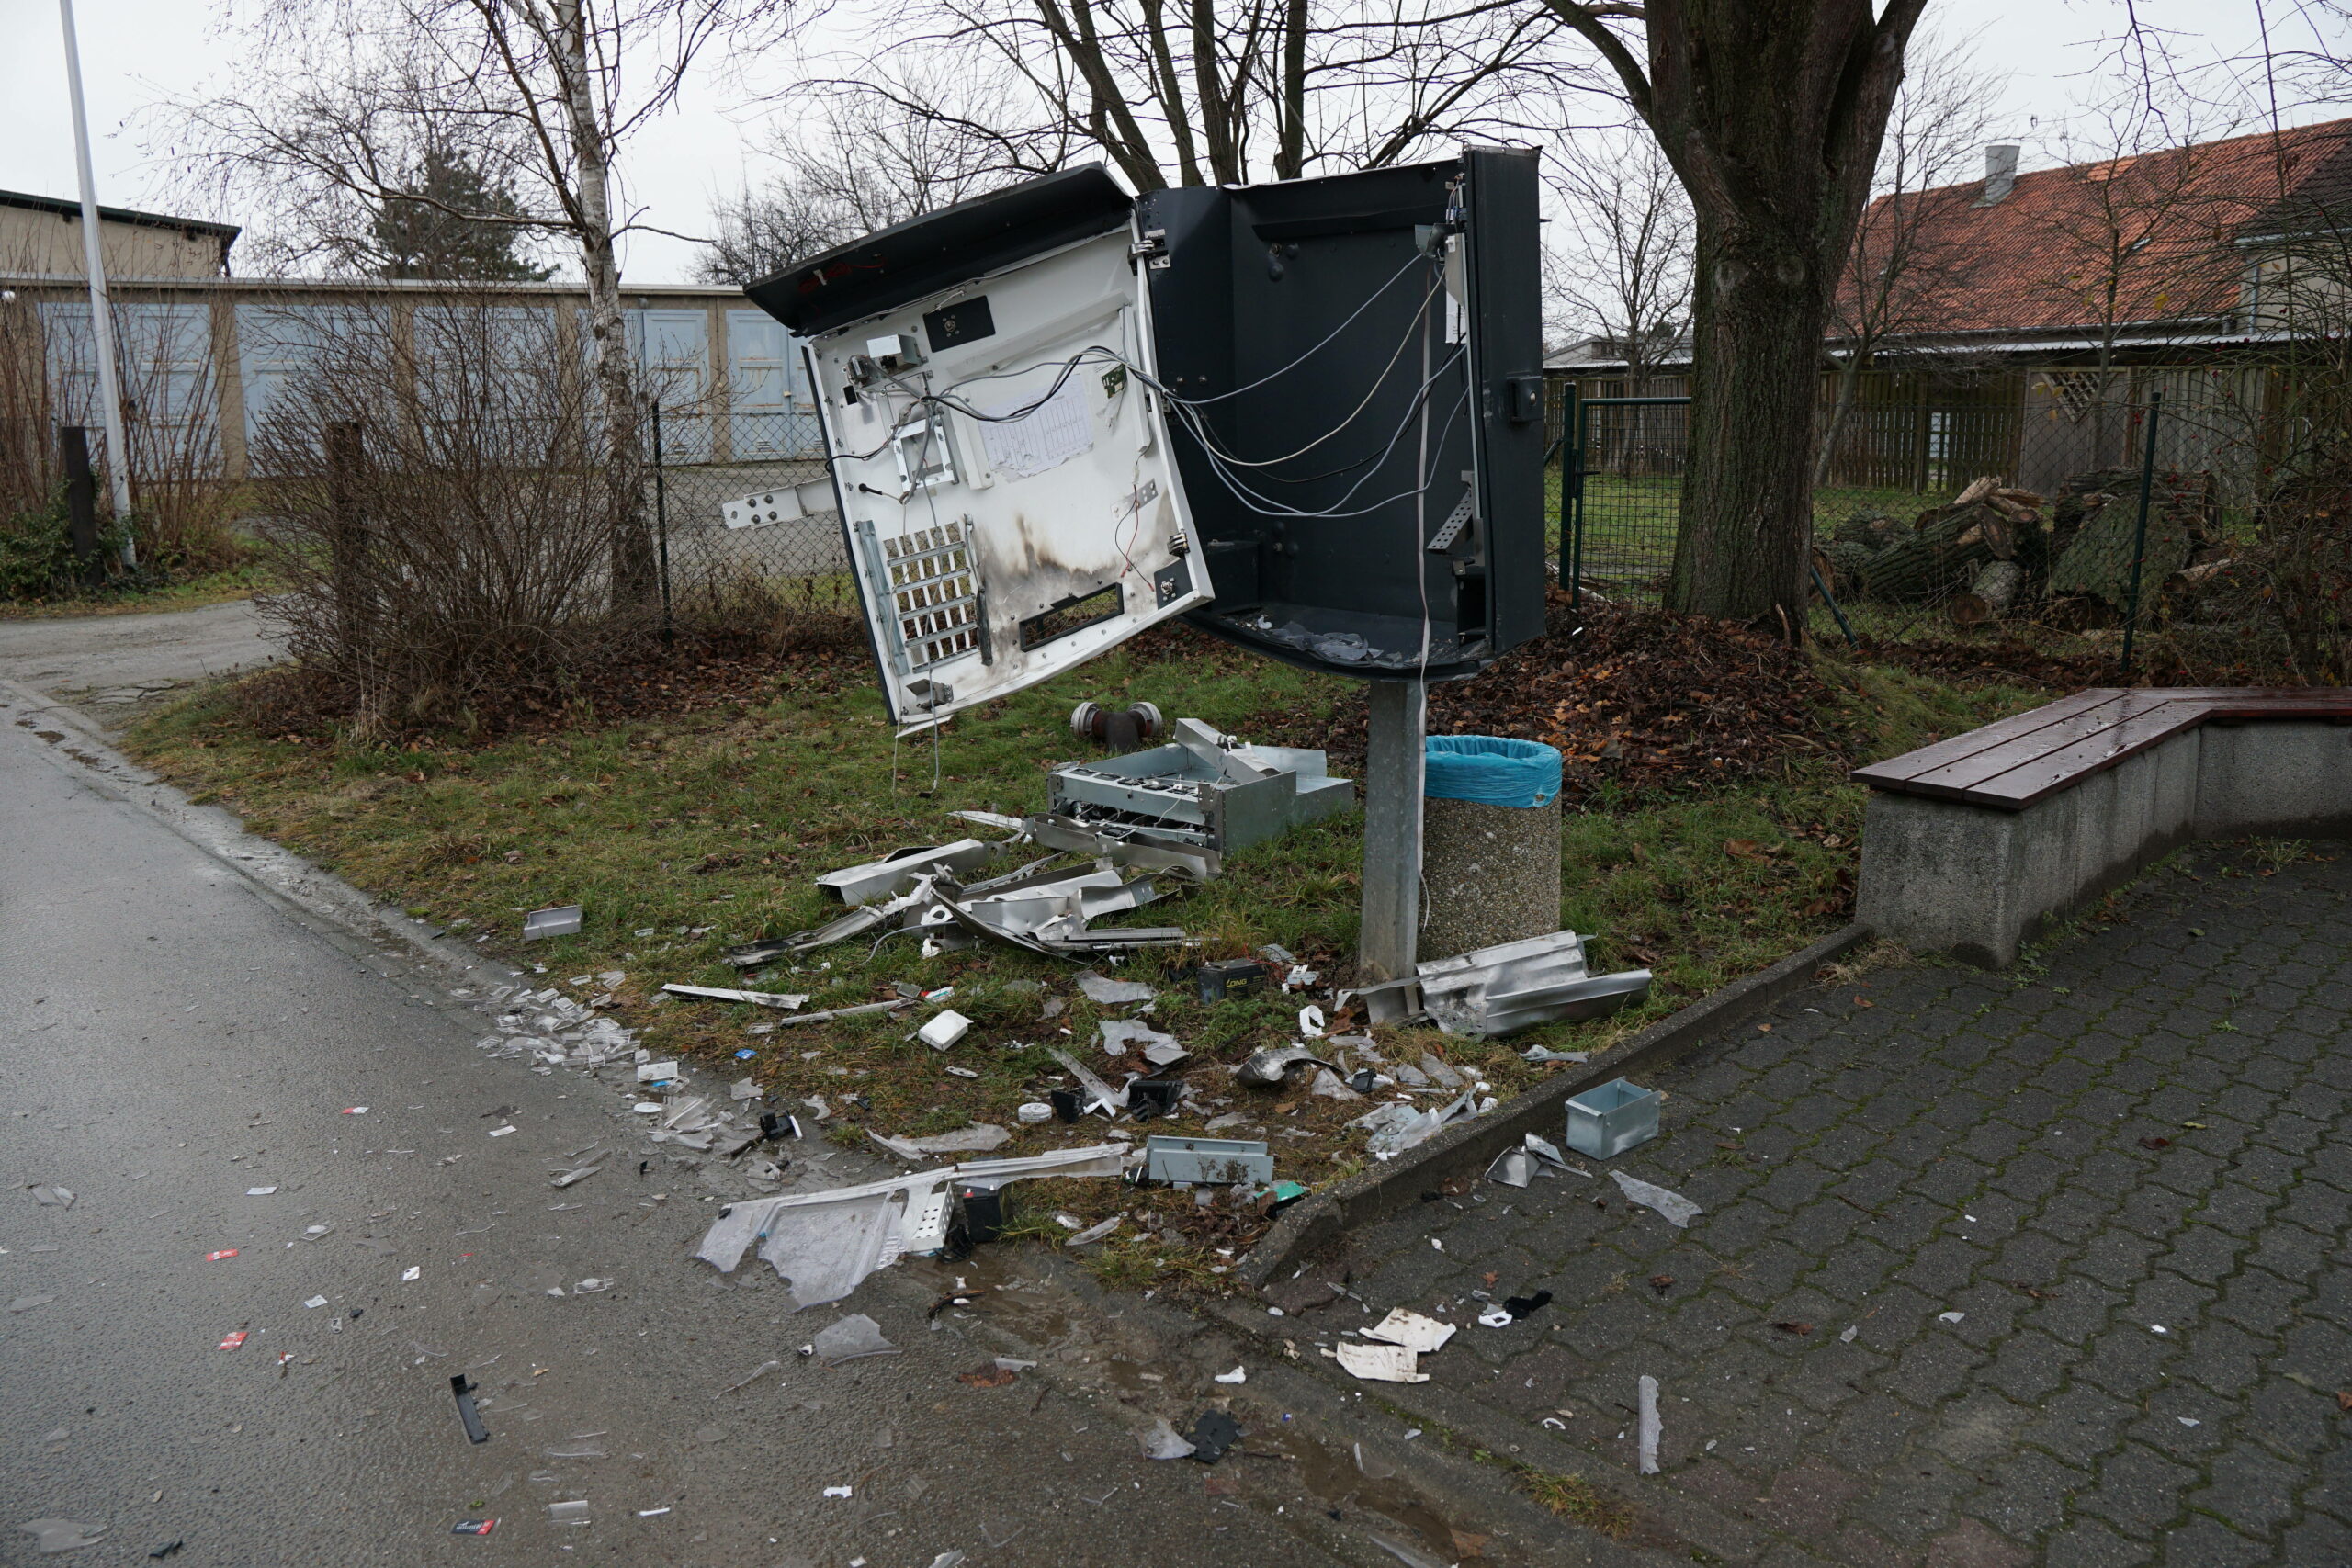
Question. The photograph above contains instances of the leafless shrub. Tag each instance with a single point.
(443, 518)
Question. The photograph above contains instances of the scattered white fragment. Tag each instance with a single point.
(26, 1304)
(259, 1191)
(1238, 1374)
(591, 1285)
(1163, 1441)
(501, 1132)
(356, 1111)
(53, 1198)
(1496, 1317)
(837, 1492)
(2159, 1328)
(316, 1301)
(1104, 992)
(1649, 1427)
(1380, 1363)
(569, 1177)
(1848, 1336)
(944, 1030)
(1411, 1330)
(1035, 1111)
(1092, 1234)
(62, 1535)
(413, 1271)
(854, 1336)
(1679, 1210)
(1311, 1022)
(656, 1072)
(647, 1108)
(2188, 1421)
(1438, 1243)
(651, 1513)
(572, 1513)
(1949, 1316)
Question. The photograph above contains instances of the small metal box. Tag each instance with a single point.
(1218, 1161)
(1610, 1119)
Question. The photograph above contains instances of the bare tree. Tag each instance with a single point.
(2133, 211)
(858, 161)
(1771, 113)
(1189, 92)
(1906, 252)
(1622, 249)
(541, 96)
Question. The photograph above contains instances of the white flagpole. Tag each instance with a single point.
(101, 315)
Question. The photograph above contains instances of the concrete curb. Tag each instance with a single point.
(1469, 1146)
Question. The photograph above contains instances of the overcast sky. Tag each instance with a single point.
(134, 52)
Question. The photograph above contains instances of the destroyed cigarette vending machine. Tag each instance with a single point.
(1309, 414)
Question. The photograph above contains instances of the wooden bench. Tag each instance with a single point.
(1972, 845)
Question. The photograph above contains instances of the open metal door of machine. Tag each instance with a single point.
(983, 376)
(1356, 367)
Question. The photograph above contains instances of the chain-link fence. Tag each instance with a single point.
(1929, 520)
(745, 515)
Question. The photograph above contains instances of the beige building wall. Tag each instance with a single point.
(45, 243)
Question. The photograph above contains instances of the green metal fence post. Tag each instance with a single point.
(2140, 528)
(1572, 505)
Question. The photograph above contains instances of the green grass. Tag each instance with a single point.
(683, 836)
(242, 581)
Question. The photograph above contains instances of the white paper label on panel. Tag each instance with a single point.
(1049, 436)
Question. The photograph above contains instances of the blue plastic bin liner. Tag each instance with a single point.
(1490, 769)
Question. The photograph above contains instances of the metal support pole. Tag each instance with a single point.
(1571, 472)
(2139, 529)
(81, 502)
(662, 525)
(101, 314)
(1388, 944)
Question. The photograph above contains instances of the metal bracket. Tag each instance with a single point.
(1455, 521)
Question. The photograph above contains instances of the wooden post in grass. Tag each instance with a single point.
(81, 502)
(1387, 945)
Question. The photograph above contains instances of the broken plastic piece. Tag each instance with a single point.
(1520, 1307)
(1238, 1374)
(62, 1535)
(977, 1138)
(1405, 1552)
(470, 1419)
(1212, 1435)
(1648, 1430)
(1163, 1441)
(852, 1338)
(1092, 1234)
(1118, 1033)
(1512, 1168)
(788, 1001)
(1542, 1054)
(1276, 1063)
(944, 1030)
(896, 875)
(569, 1177)
(1380, 1363)
(1679, 1210)
(1105, 992)
(1032, 1111)
(571, 1513)
(557, 919)
(1411, 1330)
(234, 1339)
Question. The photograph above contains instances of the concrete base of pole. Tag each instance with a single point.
(1489, 874)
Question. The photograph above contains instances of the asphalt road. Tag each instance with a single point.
(111, 665)
(172, 1039)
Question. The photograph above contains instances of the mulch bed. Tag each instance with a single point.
(1634, 699)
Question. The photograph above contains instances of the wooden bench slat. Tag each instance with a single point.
(1964, 777)
(1894, 772)
(2081, 735)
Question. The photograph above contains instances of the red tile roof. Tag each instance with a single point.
(2163, 226)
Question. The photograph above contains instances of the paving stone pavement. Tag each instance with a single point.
(2044, 1268)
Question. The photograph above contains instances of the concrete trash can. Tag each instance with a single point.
(1490, 842)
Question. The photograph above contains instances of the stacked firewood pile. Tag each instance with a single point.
(1996, 551)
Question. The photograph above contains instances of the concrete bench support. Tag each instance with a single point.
(1978, 878)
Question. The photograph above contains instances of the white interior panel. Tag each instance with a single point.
(1029, 518)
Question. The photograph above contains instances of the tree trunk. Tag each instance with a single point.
(633, 572)
(1994, 590)
(1746, 518)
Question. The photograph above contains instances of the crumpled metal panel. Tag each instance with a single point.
(1518, 984)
